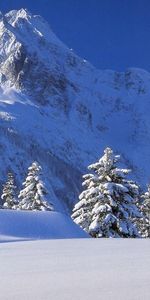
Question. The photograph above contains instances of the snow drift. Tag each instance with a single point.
(25, 225)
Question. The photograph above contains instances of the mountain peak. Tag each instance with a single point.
(14, 15)
(24, 38)
(30, 30)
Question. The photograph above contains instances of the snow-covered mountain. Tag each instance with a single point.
(56, 108)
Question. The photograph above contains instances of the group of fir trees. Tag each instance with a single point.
(111, 204)
(31, 197)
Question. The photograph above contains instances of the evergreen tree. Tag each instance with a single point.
(8, 197)
(145, 208)
(82, 212)
(32, 196)
(108, 206)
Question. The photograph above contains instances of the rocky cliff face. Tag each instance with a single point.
(58, 109)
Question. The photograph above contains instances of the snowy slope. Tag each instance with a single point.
(58, 109)
(76, 269)
(23, 225)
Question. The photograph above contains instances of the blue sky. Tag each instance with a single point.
(111, 34)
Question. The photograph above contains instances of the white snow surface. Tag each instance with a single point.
(31, 225)
(85, 269)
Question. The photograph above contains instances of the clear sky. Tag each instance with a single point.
(111, 34)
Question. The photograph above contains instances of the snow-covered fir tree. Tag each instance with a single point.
(108, 206)
(82, 212)
(145, 208)
(32, 196)
(9, 199)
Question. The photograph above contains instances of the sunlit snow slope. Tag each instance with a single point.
(58, 109)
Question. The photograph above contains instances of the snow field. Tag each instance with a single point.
(85, 269)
